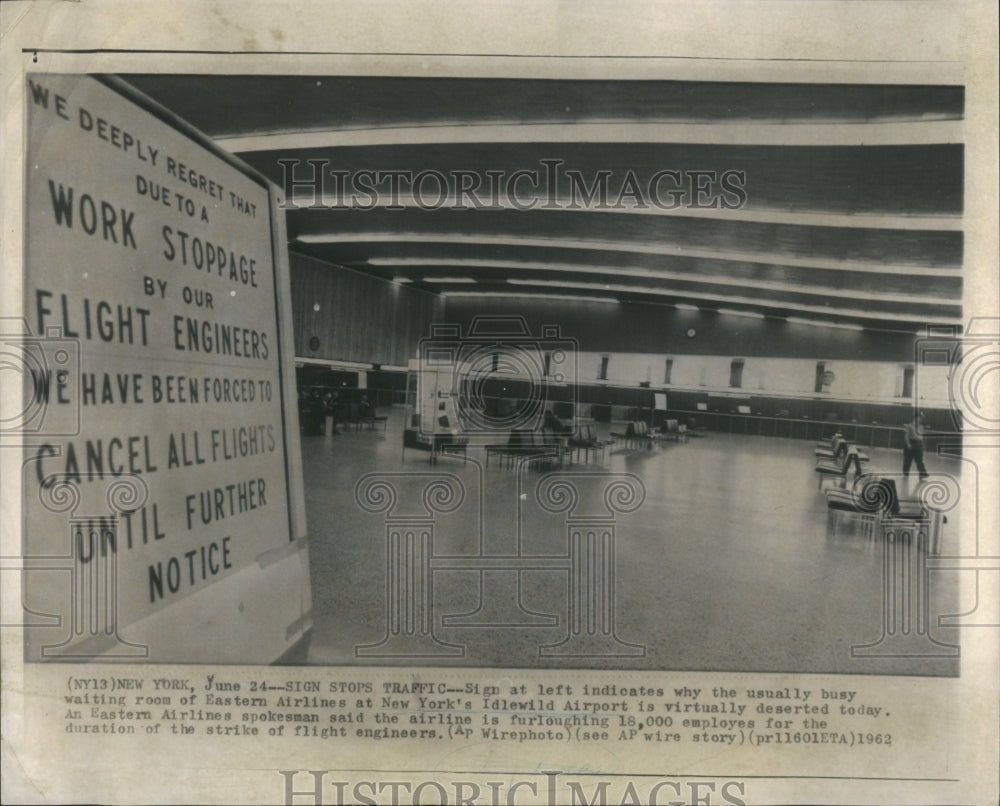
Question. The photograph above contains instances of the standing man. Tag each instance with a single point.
(913, 448)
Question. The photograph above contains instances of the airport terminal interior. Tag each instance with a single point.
(618, 374)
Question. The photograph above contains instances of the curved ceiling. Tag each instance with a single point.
(833, 202)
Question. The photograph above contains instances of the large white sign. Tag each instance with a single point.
(150, 284)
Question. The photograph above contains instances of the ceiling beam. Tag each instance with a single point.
(714, 132)
(729, 283)
(724, 300)
(305, 201)
(644, 248)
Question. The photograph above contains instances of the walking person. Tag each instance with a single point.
(913, 447)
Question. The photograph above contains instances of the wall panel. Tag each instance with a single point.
(359, 318)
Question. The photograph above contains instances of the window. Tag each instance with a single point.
(820, 372)
(736, 373)
(907, 382)
(668, 369)
(602, 375)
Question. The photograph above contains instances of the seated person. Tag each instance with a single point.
(365, 408)
(556, 426)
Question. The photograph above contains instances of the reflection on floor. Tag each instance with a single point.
(728, 565)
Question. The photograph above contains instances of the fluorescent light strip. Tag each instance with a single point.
(795, 320)
(711, 298)
(683, 306)
(304, 199)
(619, 246)
(333, 362)
(747, 314)
(448, 280)
(650, 274)
(519, 295)
(716, 132)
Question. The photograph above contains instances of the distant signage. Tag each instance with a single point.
(149, 259)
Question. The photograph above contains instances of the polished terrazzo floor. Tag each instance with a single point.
(729, 564)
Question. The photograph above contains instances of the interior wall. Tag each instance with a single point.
(662, 329)
(779, 358)
(356, 317)
(875, 381)
(366, 320)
